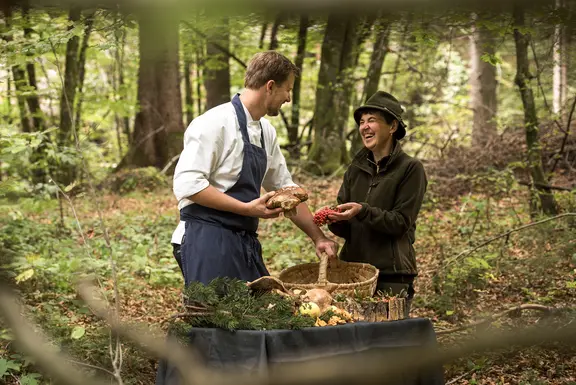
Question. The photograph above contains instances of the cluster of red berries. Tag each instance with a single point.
(321, 216)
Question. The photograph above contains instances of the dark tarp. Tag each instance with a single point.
(255, 350)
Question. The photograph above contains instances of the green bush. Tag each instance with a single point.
(145, 179)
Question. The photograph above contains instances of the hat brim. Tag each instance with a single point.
(400, 132)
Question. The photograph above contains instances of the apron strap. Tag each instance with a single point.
(241, 115)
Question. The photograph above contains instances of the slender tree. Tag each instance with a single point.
(293, 138)
(483, 84)
(522, 80)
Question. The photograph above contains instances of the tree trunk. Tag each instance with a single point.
(293, 138)
(89, 20)
(339, 53)
(8, 100)
(559, 86)
(523, 78)
(359, 29)
(401, 46)
(217, 65)
(67, 172)
(70, 82)
(115, 76)
(33, 100)
(19, 76)
(38, 158)
(188, 97)
(158, 126)
(199, 66)
(119, 58)
(377, 59)
(263, 30)
(382, 31)
(20, 85)
(274, 32)
(483, 86)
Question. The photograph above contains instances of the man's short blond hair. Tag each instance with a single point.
(268, 65)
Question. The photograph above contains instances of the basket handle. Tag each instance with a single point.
(322, 280)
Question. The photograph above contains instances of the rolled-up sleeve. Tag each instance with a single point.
(203, 148)
(277, 175)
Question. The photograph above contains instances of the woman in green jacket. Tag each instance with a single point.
(380, 198)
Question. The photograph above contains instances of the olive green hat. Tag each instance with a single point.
(385, 102)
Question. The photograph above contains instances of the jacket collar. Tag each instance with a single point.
(363, 158)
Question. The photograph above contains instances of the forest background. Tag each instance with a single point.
(94, 102)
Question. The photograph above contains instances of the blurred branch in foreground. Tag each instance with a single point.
(369, 368)
(232, 6)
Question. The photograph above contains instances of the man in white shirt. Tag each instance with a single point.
(230, 152)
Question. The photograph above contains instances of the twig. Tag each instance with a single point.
(566, 134)
(456, 379)
(221, 48)
(484, 243)
(434, 101)
(336, 172)
(410, 66)
(497, 316)
(232, 56)
(141, 141)
(116, 353)
(185, 360)
(367, 369)
(308, 123)
(538, 71)
(80, 232)
(36, 346)
(91, 366)
(184, 315)
(297, 145)
(546, 186)
(174, 159)
(196, 308)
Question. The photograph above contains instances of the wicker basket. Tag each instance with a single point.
(335, 276)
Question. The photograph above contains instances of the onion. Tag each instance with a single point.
(310, 309)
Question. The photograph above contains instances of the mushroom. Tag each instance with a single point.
(287, 198)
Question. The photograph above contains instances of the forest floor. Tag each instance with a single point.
(535, 266)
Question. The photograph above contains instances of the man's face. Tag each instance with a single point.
(278, 94)
(375, 131)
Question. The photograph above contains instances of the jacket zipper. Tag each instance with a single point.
(394, 253)
(372, 181)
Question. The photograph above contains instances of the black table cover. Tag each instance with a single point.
(255, 350)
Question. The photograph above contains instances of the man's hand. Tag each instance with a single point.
(257, 207)
(326, 246)
(350, 210)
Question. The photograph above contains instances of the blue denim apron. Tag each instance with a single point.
(223, 244)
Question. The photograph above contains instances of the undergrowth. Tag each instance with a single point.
(45, 256)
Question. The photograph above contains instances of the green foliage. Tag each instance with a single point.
(45, 254)
(136, 179)
(15, 365)
(283, 245)
(16, 149)
(231, 305)
(493, 59)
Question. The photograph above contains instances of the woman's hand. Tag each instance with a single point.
(347, 211)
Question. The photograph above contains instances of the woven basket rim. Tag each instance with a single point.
(354, 265)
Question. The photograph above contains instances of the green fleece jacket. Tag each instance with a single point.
(391, 194)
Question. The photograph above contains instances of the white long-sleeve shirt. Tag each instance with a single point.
(213, 155)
